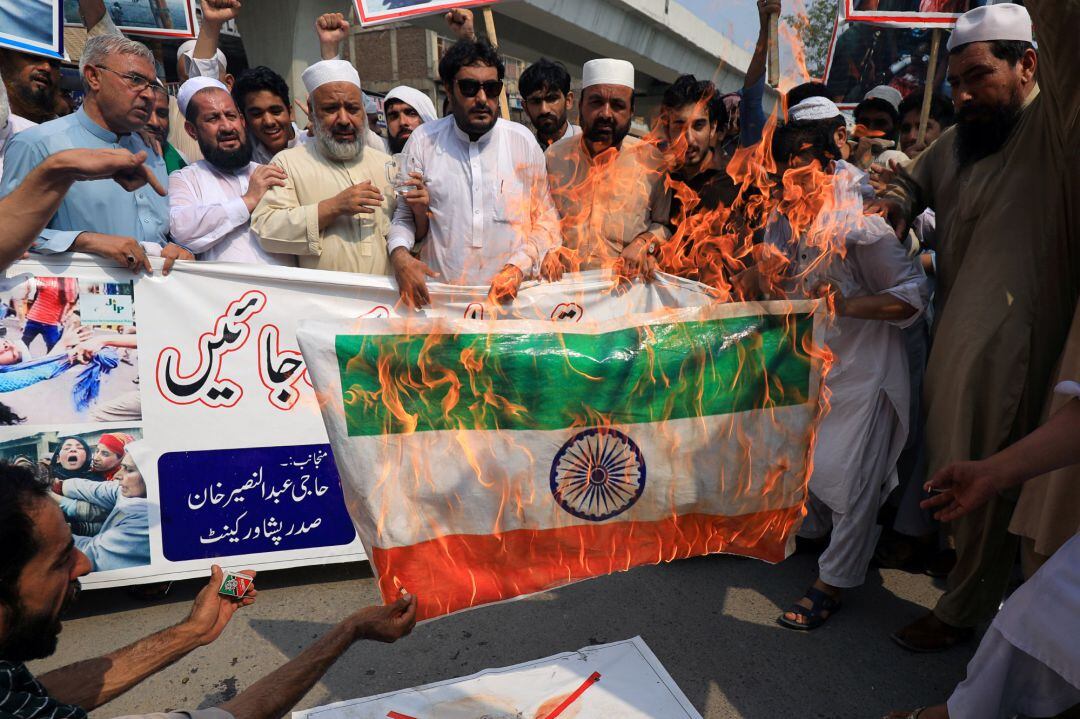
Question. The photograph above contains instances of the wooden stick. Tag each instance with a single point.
(774, 51)
(928, 90)
(489, 26)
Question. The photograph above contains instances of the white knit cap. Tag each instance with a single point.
(887, 93)
(414, 99)
(194, 85)
(608, 71)
(185, 55)
(329, 71)
(814, 108)
(991, 22)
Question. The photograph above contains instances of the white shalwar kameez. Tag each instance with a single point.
(1028, 662)
(860, 438)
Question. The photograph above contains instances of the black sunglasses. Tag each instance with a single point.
(471, 88)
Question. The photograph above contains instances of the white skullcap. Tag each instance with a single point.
(992, 22)
(887, 93)
(329, 71)
(415, 99)
(608, 71)
(185, 55)
(814, 108)
(194, 85)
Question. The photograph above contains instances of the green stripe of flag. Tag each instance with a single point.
(554, 380)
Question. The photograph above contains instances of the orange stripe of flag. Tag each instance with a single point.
(455, 572)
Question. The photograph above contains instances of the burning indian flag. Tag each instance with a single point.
(487, 460)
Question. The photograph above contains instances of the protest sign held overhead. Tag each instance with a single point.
(157, 18)
(377, 12)
(33, 26)
(908, 13)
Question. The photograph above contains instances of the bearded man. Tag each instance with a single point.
(210, 202)
(608, 187)
(333, 210)
(1000, 182)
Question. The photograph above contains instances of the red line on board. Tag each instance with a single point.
(593, 679)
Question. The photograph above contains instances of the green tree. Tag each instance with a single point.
(815, 30)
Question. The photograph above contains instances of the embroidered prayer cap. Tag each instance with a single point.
(194, 85)
(887, 93)
(327, 71)
(608, 71)
(1006, 21)
(814, 108)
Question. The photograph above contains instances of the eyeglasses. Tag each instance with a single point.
(136, 82)
(471, 88)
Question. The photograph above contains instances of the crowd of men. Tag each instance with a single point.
(946, 249)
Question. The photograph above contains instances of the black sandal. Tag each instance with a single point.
(821, 602)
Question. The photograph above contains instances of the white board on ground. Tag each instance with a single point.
(632, 684)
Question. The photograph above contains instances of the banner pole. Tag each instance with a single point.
(928, 89)
(774, 51)
(489, 27)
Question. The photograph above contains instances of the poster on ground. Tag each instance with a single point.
(621, 679)
(156, 18)
(908, 13)
(377, 12)
(862, 56)
(34, 26)
(201, 376)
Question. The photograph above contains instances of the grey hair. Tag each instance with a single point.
(101, 47)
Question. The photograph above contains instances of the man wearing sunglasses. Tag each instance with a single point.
(101, 218)
(479, 201)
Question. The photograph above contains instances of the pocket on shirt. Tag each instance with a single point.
(509, 202)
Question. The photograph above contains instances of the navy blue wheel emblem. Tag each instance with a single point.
(598, 474)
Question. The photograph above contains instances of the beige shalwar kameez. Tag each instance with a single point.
(1007, 281)
(287, 218)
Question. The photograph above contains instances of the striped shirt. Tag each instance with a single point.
(23, 697)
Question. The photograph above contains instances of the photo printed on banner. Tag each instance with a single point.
(32, 26)
(68, 352)
(97, 486)
(172, 18)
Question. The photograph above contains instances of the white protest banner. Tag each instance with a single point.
(486, 463)
(908, 13)
(33, 26)
(621, 679)
(153, 18)
(203, 367)
(377, 12)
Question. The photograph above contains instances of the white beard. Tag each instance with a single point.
(335, 149)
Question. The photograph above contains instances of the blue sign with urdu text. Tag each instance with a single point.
(223, 503)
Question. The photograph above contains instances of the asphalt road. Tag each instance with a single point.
(711, 621)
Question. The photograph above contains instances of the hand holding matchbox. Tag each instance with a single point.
(236, 584)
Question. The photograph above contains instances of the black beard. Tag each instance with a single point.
(30, 637)
(397, 144)
(33, 96)
(981, 134)
(227, 160)
(618, 134)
